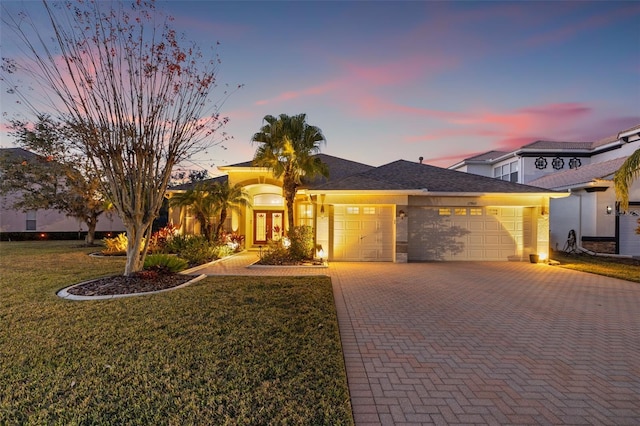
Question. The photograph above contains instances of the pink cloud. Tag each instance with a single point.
(294, 94)
(356, 81)
(588, 24)
(401, 71)
(507, 130)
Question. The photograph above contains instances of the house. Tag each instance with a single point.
(44, 223)
(585, 171)
(398, 212)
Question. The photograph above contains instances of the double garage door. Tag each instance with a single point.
(363, 233)
(366, 233)
(468, 233)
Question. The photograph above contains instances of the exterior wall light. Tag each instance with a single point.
(402, 214)
(609, 209)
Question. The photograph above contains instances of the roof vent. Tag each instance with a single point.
(421, 158)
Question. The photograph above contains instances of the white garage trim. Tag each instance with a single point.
(363, 232)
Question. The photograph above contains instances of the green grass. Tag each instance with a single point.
(226, 350)
(623, 268)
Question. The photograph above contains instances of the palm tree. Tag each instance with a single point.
(288, 146)
(202, 202)
(227, 198)
(624, 177)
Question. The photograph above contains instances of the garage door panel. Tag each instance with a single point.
(476, 239)
(476, 226)
(491, 225)
(506, 240)
(492, 239)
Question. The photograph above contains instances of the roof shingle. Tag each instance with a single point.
(406, 175)
(581, 175)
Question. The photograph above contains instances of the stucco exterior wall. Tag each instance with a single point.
(51, 220)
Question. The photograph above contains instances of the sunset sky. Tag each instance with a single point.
(400, 80)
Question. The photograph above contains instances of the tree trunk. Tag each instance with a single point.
(135, 234)
(92, 222)
(290, 188)
(223, 217)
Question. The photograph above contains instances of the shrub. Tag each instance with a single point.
(302, 245)
(233, 240)
(276, 254)
(195, 249)
(165, 263)
(159, 240)
(178, 243)
(118, 244)
(221, 251)
(115, 245)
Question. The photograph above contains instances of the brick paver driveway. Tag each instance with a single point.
(488, 343)
(482, 343)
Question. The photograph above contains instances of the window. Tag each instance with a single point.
(31, 220)
(369, 210)
(460, 211)
(444, 211)
(475, 211)
(268, 200)
(492, 211)
(508, 172)
(305, 215)
(353, 210)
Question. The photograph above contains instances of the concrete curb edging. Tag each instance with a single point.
(66, 295)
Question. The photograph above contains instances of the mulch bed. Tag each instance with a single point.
(138, 283)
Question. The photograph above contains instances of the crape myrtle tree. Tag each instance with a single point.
(55, 177)
(287, 146)
(137, 95)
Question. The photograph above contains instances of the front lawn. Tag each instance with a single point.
(226, 350)
(616, 267)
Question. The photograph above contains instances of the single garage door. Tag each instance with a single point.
(363, 233)
(629, 239)
(468, 233)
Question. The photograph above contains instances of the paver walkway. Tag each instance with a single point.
(484, 343)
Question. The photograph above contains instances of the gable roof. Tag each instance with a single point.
(581, 175)
(407, 175)
(339, 168)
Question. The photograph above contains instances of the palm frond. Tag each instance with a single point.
(624, 178)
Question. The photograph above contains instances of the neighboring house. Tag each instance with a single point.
(44, 221)
(402, 211)
(585, 171)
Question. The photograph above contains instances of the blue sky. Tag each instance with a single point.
(400, 80)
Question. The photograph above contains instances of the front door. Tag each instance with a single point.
(267, 226)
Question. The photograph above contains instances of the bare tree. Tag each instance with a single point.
(138, 95)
